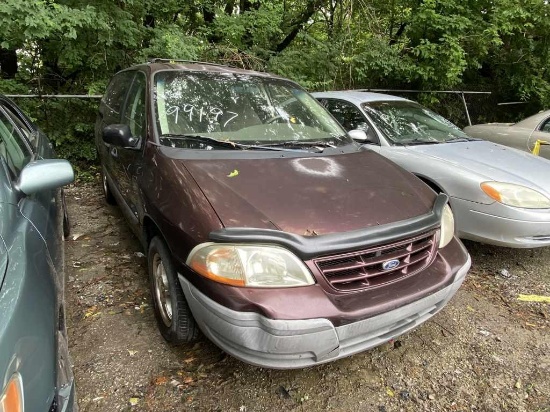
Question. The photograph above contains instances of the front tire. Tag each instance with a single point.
(174, 318)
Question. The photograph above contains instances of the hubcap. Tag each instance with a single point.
(162, 291)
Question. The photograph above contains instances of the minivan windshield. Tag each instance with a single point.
(405, 122)
(224, 111)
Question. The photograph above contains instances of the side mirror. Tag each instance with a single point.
(360, 136)
(44, 175)
(119, 135)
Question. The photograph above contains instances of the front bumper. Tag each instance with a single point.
(288, 344)
(501, 225)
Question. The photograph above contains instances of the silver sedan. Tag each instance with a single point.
(521, 135)
(499, 195)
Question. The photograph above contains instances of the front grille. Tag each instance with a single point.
(364, 269)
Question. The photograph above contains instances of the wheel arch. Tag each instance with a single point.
(149, 230)
(433, 185)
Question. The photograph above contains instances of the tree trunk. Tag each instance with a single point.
(8, 63)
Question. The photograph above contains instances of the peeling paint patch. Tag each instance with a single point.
(318, 166)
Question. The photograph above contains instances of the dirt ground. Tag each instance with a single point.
(486, 351)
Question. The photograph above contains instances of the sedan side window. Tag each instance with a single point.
(12, 146)
(350, 117)
(31, 135)
(545, 126)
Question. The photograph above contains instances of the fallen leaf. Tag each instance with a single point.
(390, 392)
(233, 173)
(188, 380)
(189, 360)
(160, 380)
(90, 312)
(132, 352)
(134, 401)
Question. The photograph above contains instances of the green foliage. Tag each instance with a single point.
(75, 46)
(170, 41)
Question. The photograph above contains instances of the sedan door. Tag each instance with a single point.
(28, 294)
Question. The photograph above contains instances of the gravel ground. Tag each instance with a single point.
(486, 351)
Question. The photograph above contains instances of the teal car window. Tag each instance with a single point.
(12, 146)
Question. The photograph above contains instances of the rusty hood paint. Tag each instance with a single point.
(310, 195)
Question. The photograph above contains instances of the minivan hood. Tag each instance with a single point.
(311, 195)
(493, 161)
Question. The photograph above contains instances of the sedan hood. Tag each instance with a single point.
(492, 162)
(310, 195)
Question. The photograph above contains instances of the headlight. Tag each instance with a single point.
(11, 399)
(249, 265)
(447, 227)
(515, 195)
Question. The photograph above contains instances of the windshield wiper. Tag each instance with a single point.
(223, 143)
(318, 144)
(204, 139)
(414, 142)
(460, 139)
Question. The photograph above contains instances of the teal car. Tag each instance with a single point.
(35, 373)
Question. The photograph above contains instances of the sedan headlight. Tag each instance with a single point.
(249, 265)
(11, 399)
(515, 195)
(447, 227)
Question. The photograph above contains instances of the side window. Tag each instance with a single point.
(115, 96)
(545, 127)
(350, 117)
(12, 146)
(30, 134)
(346, 113)
(134, 112)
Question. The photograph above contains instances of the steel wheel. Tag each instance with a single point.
(162, 290)
(174, 318)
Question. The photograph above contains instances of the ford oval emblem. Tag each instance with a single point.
(390, 264)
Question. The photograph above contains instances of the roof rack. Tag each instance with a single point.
(160, 60)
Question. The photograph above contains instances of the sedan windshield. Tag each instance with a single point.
(232, 111)
(409, 123)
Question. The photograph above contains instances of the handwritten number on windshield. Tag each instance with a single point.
(211, 115)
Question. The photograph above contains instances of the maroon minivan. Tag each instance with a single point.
(266, 226)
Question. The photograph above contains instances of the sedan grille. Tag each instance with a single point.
(379, 265)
